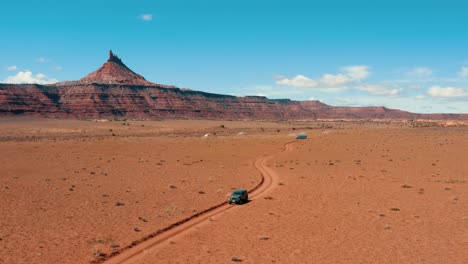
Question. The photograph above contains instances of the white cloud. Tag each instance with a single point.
(42, 60)
(146, 17)
(463, 72)
(420, 72)
(58, 68)
(447, 92)
(299, 81)
(339, 80)
(420, 97)
(11, 68)
(414, 86)
(358, 72)
(349, 75)
(29, 77)
(379, 89)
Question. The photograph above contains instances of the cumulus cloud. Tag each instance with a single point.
(463, 72)
(447, 92)
(349, 75)
(420, 72)
(146, 17)
(298, 81)
(357, 73)
(11, 68)
(29, 77)
(380, 89)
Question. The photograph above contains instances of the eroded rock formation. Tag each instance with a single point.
(115, 90)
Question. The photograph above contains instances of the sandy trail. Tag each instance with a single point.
(269, 180)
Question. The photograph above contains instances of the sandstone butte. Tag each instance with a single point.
(115, 90)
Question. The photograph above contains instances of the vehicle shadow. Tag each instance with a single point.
(246, 202)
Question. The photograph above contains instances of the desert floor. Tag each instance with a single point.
(354, 192)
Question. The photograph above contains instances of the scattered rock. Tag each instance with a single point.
(263, 238)
(395, 209)
(114, 245)
(100, 254)
(136, 229)
(119, 204)
(234, 259)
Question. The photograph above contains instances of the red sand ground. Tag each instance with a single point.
(364, 193)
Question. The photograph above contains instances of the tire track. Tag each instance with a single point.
(136, 248)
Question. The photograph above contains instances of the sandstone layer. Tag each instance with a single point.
(115, 90)
(81, 100)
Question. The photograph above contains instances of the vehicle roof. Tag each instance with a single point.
(240, 191)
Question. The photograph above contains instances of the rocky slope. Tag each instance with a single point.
(115, 90)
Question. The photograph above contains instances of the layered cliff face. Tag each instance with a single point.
(106, 100)
(115, 90)
(97, 100)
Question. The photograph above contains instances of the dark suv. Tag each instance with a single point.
(239, 197)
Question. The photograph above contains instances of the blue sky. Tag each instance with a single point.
(411, 56)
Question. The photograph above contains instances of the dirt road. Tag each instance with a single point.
(151, 243)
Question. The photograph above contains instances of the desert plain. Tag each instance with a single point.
(74, 191)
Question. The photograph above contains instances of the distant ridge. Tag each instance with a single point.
(115, 90)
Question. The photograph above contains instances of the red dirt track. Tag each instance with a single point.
(269, 180)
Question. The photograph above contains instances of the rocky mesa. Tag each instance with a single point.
(115, 90)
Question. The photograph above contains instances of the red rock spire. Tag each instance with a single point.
(114, 71)
(115, 58)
